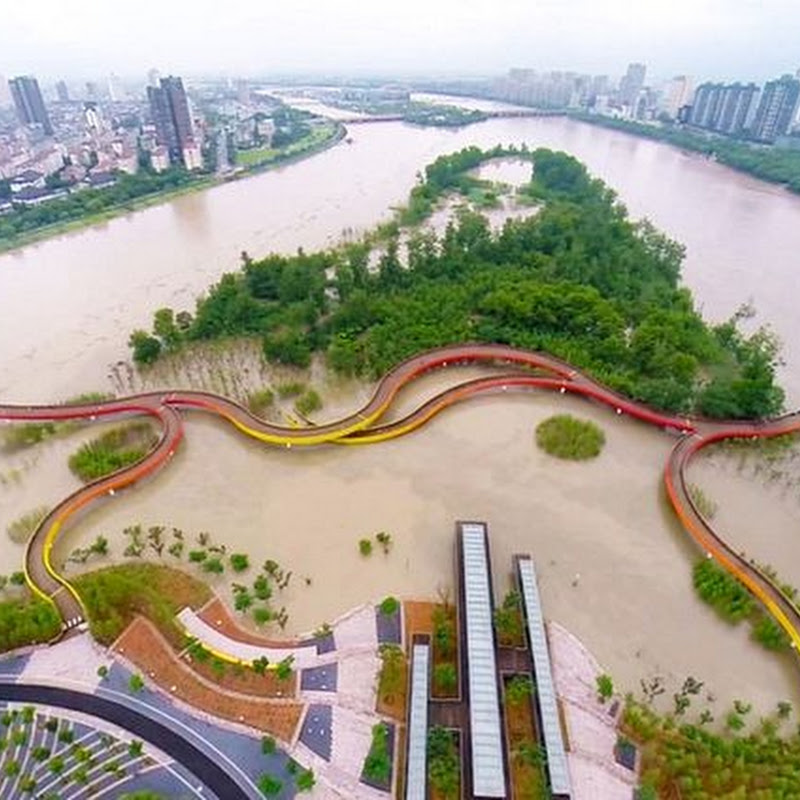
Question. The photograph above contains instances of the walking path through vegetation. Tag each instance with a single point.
(528, 370)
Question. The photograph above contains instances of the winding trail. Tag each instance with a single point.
(527, 371)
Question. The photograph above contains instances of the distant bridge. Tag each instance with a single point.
(522, 112)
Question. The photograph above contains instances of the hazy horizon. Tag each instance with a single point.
(709, 39)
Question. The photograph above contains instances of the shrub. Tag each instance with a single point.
(135, 748)
(365, 547)
(239, 562)
(259, 401)
(443, 764)
(390, 678)
(112, 451)
(308, 403)
(284, 668)
(268, 745)
(214, 566)
(269, 785)
(378, 763)
(305, 780)
(605, 687)
(196, 556)
(389, 606)
(136, 684)
(564, 436)
(261, 616)
(445, 677)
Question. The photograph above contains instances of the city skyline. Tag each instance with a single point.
(712, 39)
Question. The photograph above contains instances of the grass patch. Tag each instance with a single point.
(115, 595)
(260, 401)
(114, 450)
(26, 621)
(308, 402)
(704, 504)
(565, 436)
(290, 389)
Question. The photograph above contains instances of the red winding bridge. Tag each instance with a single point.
(527, 371)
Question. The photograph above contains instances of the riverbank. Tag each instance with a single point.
(280, 159)
(767, 163)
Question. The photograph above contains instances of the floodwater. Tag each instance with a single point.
(603, 526)
(67, 306)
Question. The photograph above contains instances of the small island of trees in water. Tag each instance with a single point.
(578, 279)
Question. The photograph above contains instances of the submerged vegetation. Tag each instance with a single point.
(578, 279)
(114, 450)
(689, 761)
(569, 438)
(20, 529)
(733, 602)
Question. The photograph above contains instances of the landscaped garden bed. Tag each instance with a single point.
(377, 771)
(526, 759)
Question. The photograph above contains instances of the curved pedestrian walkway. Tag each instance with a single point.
(528, 370)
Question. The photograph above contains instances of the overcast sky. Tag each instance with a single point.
(725, 39)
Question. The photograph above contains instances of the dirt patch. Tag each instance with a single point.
(419, 617)
(144, 646)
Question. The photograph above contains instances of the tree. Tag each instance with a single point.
(365, 547)
(136, 684)
(146, 348)
(268, 745)
(165, 329)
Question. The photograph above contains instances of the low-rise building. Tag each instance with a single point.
(159, 158)
(192, 157)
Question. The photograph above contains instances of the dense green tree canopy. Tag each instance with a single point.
(577, 279)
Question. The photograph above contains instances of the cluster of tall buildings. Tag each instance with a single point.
(172, 120)
(169, 137)
(29, 103)
(745, 110)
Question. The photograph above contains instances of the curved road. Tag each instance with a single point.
(203, 767)
(530, 371)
